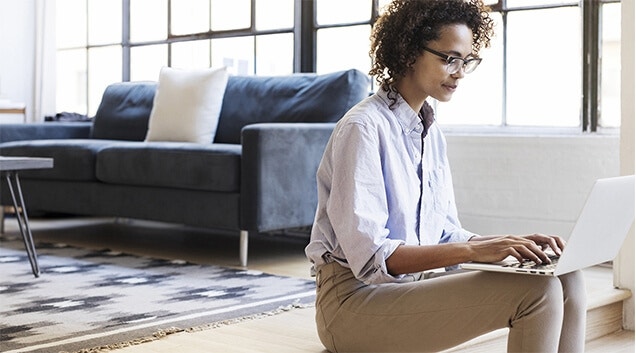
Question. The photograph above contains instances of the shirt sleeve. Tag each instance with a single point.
(357, 205)
(453, 231)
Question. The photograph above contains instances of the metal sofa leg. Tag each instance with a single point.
(1, 219)
(243, 242)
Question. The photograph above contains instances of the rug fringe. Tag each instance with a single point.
(218, 324)
(160, 334)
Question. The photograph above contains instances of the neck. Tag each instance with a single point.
(413, 98)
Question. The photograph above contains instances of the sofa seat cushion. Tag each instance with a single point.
(181, 165)
(73, 159)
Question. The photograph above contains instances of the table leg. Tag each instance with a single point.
(23, 220)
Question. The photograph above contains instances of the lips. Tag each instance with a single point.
(450, 87)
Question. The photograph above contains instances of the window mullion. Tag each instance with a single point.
(169, 35)
(591, 51)
(253, 31)
(504, 76)
(306, 36)
(86, 59)
(125, 40)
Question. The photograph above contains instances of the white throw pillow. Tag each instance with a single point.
(187, 105)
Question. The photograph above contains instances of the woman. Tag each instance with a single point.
(386, 211)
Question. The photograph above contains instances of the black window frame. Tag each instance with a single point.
(305, 37)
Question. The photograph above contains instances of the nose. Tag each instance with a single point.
(460, 73)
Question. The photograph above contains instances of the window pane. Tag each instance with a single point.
(71, 23)
(273, 14)
(104, 22)
(382, 4)
(610, 106)
(230, 14)
(104, 68)
(71, 81)
(237, 54)
(191, 55)
(478, 99)
(190, 16)
(339, 11)
(343, 48)
(528, 3)
(147, 61)
(275, 54)
(544, 68)
(148, 20)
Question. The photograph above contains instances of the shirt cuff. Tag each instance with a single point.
(376, 271)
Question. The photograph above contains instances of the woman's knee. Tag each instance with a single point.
(544, 297)
(574, 292)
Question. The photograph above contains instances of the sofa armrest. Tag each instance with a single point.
(42, 131)
(278, 174)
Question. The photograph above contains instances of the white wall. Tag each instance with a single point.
(17, 38)
(527, 184)
(24, 26)
(624, 264)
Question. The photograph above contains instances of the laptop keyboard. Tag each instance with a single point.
(534, 266)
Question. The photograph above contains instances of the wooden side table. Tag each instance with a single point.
(10, 166)
(13, 108)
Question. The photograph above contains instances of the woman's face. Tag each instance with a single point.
(429, 76)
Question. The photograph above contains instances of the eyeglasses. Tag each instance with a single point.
(454, 63)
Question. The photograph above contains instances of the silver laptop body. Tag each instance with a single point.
(596, 237)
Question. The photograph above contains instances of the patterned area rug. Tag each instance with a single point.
(85, 299)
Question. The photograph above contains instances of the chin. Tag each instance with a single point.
(444, 98)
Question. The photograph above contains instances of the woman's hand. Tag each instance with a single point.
(493, 248)
(522, 247)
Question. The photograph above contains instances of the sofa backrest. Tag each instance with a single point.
(125, 107)
(293, 98)
(124, 111)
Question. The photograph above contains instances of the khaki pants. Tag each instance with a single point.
(544, 314)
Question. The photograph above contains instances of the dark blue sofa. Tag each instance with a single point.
(258, 174)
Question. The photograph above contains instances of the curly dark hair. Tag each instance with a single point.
(407, 26)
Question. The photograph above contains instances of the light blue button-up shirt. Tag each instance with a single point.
(377, 191)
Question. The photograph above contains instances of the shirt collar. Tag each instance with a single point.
(428, 116)
(406, 117)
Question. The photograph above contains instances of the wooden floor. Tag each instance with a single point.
(292, 331)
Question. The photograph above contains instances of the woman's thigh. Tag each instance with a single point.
(431, 314)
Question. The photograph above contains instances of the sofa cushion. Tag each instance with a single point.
(211, 167)
(124, 111)
(187, 105)
(73, 159)
(293, 98)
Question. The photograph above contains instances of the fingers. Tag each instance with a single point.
(532, 247)
(560, 242)
(521, 248)
(534, 252)
(528, 247)
(556, 243)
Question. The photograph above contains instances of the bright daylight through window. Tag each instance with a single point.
(527, 78)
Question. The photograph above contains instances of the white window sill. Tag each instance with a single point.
(526, 131)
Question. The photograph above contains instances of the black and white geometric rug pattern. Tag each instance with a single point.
(85, 298)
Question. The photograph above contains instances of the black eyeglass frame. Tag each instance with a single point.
(449, 59)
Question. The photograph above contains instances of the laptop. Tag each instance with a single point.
(596, 237)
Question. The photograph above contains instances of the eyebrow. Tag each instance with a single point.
(454, 53)
(459, 55)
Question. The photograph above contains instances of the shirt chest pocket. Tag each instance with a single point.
(440, 188)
